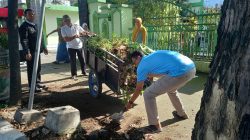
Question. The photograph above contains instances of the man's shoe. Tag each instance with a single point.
(183, 117)
(74, 77)
(41, 86)
(37, 90)
(151, 129)
(84, 74)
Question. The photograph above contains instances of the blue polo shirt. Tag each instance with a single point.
(165, 63)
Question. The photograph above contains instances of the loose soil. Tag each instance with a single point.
(94, 113)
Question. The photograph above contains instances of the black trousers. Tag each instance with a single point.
(30, 70)
(72, 56)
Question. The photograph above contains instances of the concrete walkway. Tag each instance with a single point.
(7, 132)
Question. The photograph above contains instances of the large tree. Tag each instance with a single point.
(15, 77)
(83, 11)
(225, 106)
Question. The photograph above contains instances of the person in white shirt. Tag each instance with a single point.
(71, 33)
(85, 37)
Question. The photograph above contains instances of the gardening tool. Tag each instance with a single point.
(118, 116)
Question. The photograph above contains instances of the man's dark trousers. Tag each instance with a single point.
(30, 69)
(72, 55)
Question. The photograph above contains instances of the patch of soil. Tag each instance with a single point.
(90, 129)
(95, 113)
(101, 127)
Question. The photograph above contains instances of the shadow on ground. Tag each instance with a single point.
(195, 85)
(170, 121)
(48, 68)
(80, 99)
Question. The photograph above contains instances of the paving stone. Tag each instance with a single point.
(63, 120)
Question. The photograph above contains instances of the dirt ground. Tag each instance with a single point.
(95, 113)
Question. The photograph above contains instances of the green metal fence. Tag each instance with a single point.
(178, 25)
(197, 40)
(188, 30)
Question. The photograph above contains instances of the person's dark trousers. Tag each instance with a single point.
(30, 70)
(72, 55)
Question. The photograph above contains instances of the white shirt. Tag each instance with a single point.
(71, 31)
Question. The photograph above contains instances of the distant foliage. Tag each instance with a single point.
(3, 41)
(118, 1)
(159, 9)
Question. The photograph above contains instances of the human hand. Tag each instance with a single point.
(28, 57)
(128, 106)
(45, 51)
(85, 33)
(76, 36)
(93, 34)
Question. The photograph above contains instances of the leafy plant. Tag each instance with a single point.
(3, 41)
(3, 84)
(120, 47)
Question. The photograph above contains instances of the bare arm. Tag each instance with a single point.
(87, 33)
(144, 35)
(56, 30)
(138, 90)
(68, 39)
(134, 34)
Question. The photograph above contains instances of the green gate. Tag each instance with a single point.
(180, 26)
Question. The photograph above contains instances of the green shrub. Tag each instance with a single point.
(3, 41)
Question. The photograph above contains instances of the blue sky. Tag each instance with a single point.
(211, 3)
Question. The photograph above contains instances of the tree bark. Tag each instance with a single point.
(28, 3)
(83, 11)
(15, 77)
(225, 106)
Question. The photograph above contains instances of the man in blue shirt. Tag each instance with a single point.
(174, 71)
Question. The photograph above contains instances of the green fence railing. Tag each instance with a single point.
(196, 40)
(180, 26)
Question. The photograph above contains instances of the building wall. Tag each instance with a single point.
(101, 21)
(119, 17)
(93, 8)
(126, 20)
(116, 23)
(196, 3)
(51, 24)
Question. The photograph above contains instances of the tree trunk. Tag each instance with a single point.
(28, 3)
(83, 11)
(15, 77)
(225, 107)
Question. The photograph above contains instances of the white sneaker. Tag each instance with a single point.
(74, 77)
